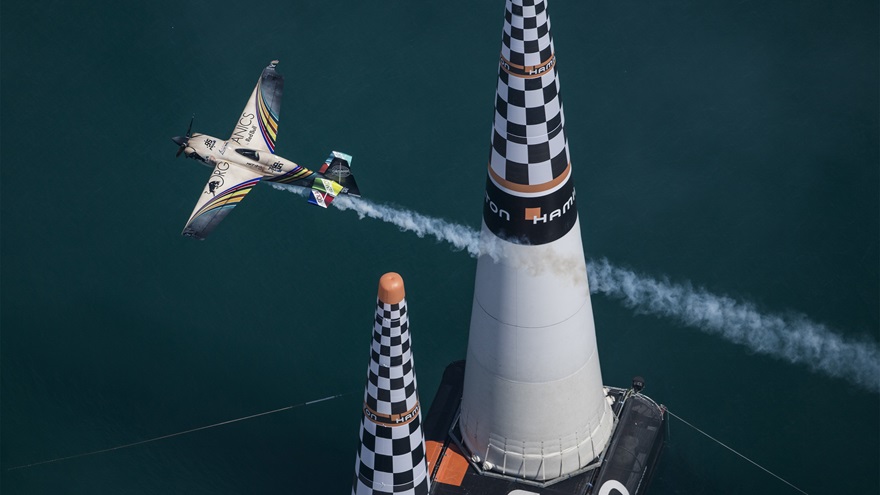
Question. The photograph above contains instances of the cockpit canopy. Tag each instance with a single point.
(252, 154)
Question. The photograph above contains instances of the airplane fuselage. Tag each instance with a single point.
(222, 154)
(248, 157)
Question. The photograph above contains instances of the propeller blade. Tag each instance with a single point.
(182, 141)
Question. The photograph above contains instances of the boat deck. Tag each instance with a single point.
(627, 463)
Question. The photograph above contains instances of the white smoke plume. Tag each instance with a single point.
(461, 237)
(793, 338)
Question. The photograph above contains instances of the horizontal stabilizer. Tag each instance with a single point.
(323, 192)
(320, 199)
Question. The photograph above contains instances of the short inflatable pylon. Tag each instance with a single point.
(391, 457)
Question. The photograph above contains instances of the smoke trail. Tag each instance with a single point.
(791, 337)
(461, 237)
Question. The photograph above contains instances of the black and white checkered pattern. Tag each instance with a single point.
(529, 146)
(391, 458)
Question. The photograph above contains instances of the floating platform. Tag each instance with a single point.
(625, 466)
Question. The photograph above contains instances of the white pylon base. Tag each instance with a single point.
(533, 403)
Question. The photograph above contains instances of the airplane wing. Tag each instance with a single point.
(257, 126)
(226, 187)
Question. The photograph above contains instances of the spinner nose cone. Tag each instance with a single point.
(181, 142)
(391, 457)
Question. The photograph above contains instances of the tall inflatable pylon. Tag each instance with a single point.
(533, 404)
(391, 456)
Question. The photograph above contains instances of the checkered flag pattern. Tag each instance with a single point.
(529, 146)
(391, 457)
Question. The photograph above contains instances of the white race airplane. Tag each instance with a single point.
(248, 156)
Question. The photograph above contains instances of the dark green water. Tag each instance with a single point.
(734, 146)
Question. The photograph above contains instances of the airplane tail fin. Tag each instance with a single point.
(338, 168)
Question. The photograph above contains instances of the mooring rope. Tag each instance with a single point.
(331, 397)
(163, 437)
(719, 442)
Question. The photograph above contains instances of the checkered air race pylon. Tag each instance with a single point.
(391, 457)
(533, 404)
(530, 196)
